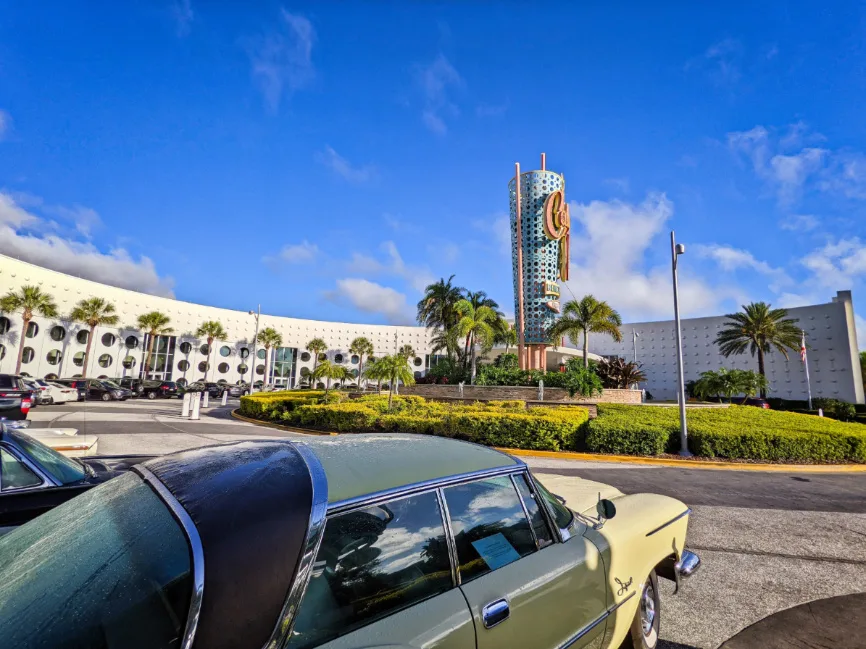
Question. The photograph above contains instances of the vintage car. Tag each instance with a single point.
(359, 541)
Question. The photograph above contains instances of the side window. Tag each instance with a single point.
(536, 517)
(490, 528)
(14, 474)
(373, 562)
(562, 515)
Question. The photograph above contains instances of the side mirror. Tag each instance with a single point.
(559, 498)
(606, 510)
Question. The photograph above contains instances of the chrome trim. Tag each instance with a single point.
(449, 537)
(191, 532)
(670, 522)
(514, 479)
(561, 535)
(495, 608)
(688, 564)
(389, 494)
(589, 627)
(315, 531)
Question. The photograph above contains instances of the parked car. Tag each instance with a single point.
(136, 386)
(239, 390)
(16, 399)
(402, 540)
(78, 384)
(755, 401)
(35, 391)
(161, 389)
(98, 389)
(51, 392)
(35, 478)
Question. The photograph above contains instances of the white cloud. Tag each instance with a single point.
(85, 219)
(282, 59)
(81, 258)
(181, 11)
(5, 123)
(299, 253)
(799, 223)
(394, 266)
(619, 184)
(731, 259)
(498, 228)
(610, 242)
(371, 297)
(343, 168)
(722, 61)
(837, 265)
(846, 175)
(434, 80)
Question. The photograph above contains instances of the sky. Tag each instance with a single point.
(328, 160)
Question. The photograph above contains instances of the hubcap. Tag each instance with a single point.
(647, 609)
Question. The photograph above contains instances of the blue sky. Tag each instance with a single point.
(329, 159)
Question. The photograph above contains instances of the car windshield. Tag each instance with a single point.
(110, 384)
(61, 468)
(151, 384)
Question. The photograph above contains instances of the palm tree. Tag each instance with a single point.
(406, 351)
(505, 334)
(362, 347)
(153, 324)
(376, 372)
(212, 330)
(476, 324)
(436, 308)
(759, 329)
(316, 346)
(29, 300)
(93, 312)
(269, 338)
(478, 299)
(585, 317)
(394, 368)
(446, 339)
(330, 371)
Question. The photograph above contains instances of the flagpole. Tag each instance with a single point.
(806, 365)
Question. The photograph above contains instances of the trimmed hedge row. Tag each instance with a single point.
(737, 432)
(270, 405)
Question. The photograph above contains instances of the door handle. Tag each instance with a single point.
(495, 612)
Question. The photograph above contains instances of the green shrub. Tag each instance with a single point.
(271, 405)
(343, 417)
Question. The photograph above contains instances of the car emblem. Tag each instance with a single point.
(622, 586)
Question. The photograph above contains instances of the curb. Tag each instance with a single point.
(626, 459)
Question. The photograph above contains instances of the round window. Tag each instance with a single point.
(131, 342)
(25, 375)
(58, 333)
(181, 382)
(82, 336)
(105, 360)
(355, 373)
(2, 351)
(32, 329)
(417, 375)
(185, 348)
(50, 377)
(129, 362)
(222, 368)
(202, 367)
(320, 386)
(418, 362)
(204, 349)
(78, 359)
(260, 369)
(183, 366)
(262, 354)
(102, 376)
(225, 350)
(305, 356)
(108, 339)
(323, 357)
(243, 352)
(28, 355)
(338, 358)
(305, 371)
(355, 359)
(54, 356)
(243, 369)
(5, 323)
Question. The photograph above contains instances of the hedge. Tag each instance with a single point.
(737, 432)
(271, 405)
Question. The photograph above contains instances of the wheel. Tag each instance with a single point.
(151, 395)
(49, 400)
(644, 633)
(106, 396)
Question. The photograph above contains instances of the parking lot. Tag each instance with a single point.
(769, 540)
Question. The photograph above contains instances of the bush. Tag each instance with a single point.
(271, 405)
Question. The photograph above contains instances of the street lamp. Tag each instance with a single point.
(678, 249)
(252, 367)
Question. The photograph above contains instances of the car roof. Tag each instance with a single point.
(358, 465)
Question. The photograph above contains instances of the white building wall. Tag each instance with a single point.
(834, 365)
(185, 319)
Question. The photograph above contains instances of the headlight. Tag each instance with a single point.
(118, 393)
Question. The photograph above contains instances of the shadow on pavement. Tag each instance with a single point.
(664, 644)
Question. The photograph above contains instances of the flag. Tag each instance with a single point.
(803, 347)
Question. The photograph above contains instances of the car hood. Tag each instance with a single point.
(580, 495)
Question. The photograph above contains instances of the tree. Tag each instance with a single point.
(330, 371)
(316, 346)
(584, 317)
(376, 372)
(153, 324)
(727, 383)
(759, 329)
(362, 347)
(505, 334)
(436, 309)
(406, 351)
(269, 338)
(448, 340)
(93, 312)
(619, 373)
(394, 368)
(28, 300)
(210, 330)
(476, 324)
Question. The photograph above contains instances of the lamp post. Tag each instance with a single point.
(634, 337)
(257, 314)
(678, 249)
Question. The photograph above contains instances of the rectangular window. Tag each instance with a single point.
(489, 525)
(542, 532)
(372, 563)
(14, 474)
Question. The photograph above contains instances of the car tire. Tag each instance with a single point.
(106, 396)
(151, 395)
(644, 632)
(49, 400)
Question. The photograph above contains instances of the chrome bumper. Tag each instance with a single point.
(687, 565)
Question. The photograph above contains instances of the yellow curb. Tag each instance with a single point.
(288, 429)
(690, 464)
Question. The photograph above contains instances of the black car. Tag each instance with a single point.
(16, 398)
(214, 390)
(160, 389)
(35, 478)
(98, 389)
(136, 386)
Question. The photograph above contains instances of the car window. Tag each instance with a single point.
(14, 474)
(373, 562)
(94, 384)
(7, 382)
(539, 525)
(489, 526)
(114, 572)
(562, 515)
(64, 469)
(110, 384)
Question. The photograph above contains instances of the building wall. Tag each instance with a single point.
(521, 393)
(834, 366)
(185, 319)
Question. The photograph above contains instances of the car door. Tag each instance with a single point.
(95, 390)
(383, 577)
(524, 587)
